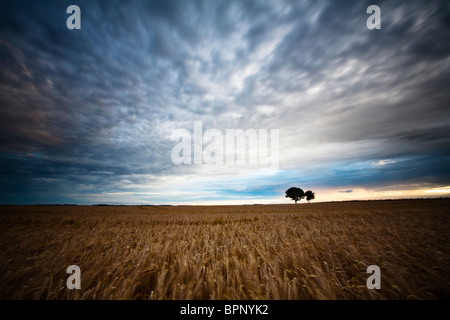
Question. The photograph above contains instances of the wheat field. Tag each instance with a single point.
(303, 251)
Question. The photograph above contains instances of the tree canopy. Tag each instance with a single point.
(310, 195)
(295, 194)
(298, 194)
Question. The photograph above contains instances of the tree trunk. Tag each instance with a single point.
(295, 201)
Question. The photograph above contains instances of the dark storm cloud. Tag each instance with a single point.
(66, 92)
(96, 106)
(80, 98)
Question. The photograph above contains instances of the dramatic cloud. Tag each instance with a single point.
(87, 115)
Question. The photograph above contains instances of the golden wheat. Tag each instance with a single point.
(305, 251)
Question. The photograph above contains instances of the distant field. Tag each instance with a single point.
(303, 251)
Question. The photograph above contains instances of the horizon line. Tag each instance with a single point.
(212, 205)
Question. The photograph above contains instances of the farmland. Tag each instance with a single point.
(286, 251)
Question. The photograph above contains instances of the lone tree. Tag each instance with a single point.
(295, 194)
(310, 195)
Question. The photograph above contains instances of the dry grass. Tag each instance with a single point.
(304, 251)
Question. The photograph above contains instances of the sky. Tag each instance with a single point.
(91, 115)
